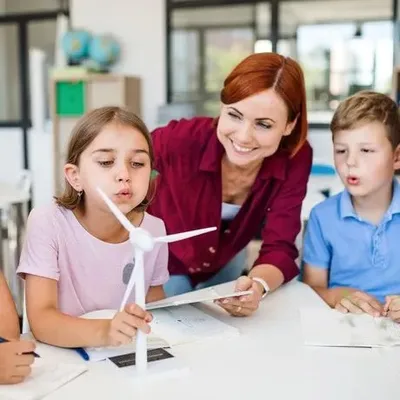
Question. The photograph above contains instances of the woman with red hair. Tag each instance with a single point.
(244, 172)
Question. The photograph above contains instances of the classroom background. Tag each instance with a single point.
(169, 58)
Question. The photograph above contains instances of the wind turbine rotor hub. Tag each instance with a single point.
(142, 239)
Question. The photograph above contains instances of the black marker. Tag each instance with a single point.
(2, 340)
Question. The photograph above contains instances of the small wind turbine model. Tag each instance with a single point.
(142, 241)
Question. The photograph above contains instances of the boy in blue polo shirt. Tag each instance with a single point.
(352, 244)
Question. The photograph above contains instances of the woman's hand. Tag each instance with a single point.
(122, 328)
(243, 306)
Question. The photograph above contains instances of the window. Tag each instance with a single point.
(224, 49)
(9, 73)
(342, 46)
(206, 44)
(31, 6)
(42, 35)
(186, 65)
(18, 33)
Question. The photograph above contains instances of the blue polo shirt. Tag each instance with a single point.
(357, 253)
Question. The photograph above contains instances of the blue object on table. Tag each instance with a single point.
(82, 352)
(322, 169)
(2, 340)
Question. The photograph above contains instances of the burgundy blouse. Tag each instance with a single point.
(189, 196)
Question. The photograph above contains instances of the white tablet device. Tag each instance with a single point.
(221, 291)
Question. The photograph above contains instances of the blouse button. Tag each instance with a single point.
(227, 231)
(192, 270)
(206, 264)
(211, 250)
(198, 269)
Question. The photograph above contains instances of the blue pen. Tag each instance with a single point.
(82, 352)
(2, 340)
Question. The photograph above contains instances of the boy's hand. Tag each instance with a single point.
(358, 302)
(15, 366)
(392, 308)
(122, 328)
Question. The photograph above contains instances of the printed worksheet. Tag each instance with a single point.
(328, 327)
(184, 324)
(45, 378)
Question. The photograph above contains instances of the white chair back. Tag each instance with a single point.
(25, 323)
(24, 182)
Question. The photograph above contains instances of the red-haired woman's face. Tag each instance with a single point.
(252, 129)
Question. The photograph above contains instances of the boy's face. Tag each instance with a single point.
(365, 159)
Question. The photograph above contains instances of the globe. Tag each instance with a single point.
(104, 50)
(76, 45)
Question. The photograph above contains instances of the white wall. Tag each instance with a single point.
(139, 27)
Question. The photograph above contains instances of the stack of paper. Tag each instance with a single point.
(184, 324)
(101, 353)
(327, 327)
(45, 378)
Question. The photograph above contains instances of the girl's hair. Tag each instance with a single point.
(264, 71)
(83, 134)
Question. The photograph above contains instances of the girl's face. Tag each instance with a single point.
(252, 129)
(118, 162)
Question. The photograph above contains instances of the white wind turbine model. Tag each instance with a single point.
(142, 241)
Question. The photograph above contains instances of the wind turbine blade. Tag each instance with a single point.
(184, 235)
(116, 211)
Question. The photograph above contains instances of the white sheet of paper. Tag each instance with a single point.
(328, 327)
(45, 378)
(101, 353)
(208, 294)
(186, 324)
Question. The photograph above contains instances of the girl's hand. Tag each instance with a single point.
(122, 328)
(243, 306)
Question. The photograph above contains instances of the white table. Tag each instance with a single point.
(268, 361)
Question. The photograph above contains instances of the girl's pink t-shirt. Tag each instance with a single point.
(91, 274)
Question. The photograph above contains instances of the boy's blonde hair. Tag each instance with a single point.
(83, 134)
(365, 107)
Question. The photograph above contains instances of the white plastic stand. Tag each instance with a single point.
(167, 369)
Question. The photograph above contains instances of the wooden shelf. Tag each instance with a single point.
(71, 96)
